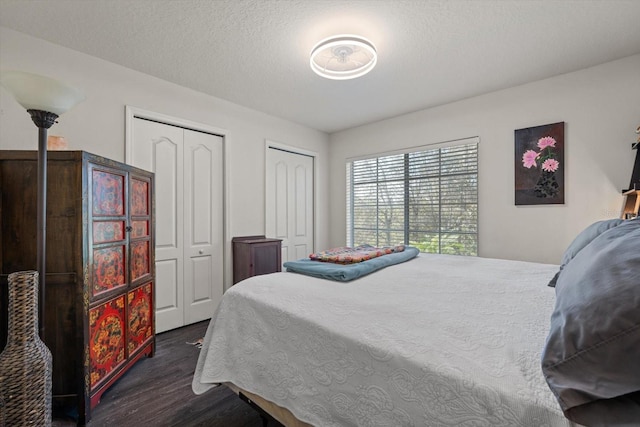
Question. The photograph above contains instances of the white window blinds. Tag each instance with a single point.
(426, 198)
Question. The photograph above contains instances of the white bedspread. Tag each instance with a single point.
(437, 341)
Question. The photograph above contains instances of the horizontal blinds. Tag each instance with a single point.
(426, 198)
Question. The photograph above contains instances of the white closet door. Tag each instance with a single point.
(203, 177)
(158, 148)
(188, 167)
(289, 202)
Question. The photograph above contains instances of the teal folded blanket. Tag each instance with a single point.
(345, 273)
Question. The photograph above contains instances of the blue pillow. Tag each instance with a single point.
(591, 359)
(585, 237)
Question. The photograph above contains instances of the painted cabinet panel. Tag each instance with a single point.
(108, 269)
(106, 339)
(139, 317)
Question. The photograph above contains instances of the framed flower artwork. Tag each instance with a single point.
(539, 165)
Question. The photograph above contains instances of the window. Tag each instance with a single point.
(427, 199)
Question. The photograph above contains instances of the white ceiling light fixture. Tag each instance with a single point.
(343, 57)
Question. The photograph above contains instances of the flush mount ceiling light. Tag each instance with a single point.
(343, 57)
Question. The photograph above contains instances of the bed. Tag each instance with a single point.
(439, 340)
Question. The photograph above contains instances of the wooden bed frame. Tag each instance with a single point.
(280, 414)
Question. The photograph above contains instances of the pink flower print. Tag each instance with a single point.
(550, 165)
(529, 159)
(545, 142)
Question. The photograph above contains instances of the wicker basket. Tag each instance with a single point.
(25, 362)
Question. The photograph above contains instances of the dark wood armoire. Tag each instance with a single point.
(100, 266)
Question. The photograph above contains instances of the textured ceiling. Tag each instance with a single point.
(256, 52)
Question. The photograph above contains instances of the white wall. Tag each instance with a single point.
(98, 124)
(601, 110)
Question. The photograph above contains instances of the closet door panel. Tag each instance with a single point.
(158, 148)
(203, 224)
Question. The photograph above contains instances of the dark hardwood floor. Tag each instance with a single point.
(157, 392)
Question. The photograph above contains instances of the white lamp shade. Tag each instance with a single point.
(35, 92)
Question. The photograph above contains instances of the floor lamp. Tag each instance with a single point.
(44, 99)
(635, 175)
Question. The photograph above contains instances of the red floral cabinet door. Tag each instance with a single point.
(108, 213)
(140, 317)
(106, 339)
(140, 241)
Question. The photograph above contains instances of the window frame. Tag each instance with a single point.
(471, 174)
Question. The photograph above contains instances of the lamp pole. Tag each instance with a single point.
(43, 120)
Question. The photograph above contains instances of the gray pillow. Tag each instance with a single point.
(591, 360)
(585, 237)
(619, 411)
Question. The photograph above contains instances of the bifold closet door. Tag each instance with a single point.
(188, 166)
(203, 197)
(289, 202)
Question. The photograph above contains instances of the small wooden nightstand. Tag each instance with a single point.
(255, 255)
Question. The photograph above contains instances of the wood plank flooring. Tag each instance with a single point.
(157, 392)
